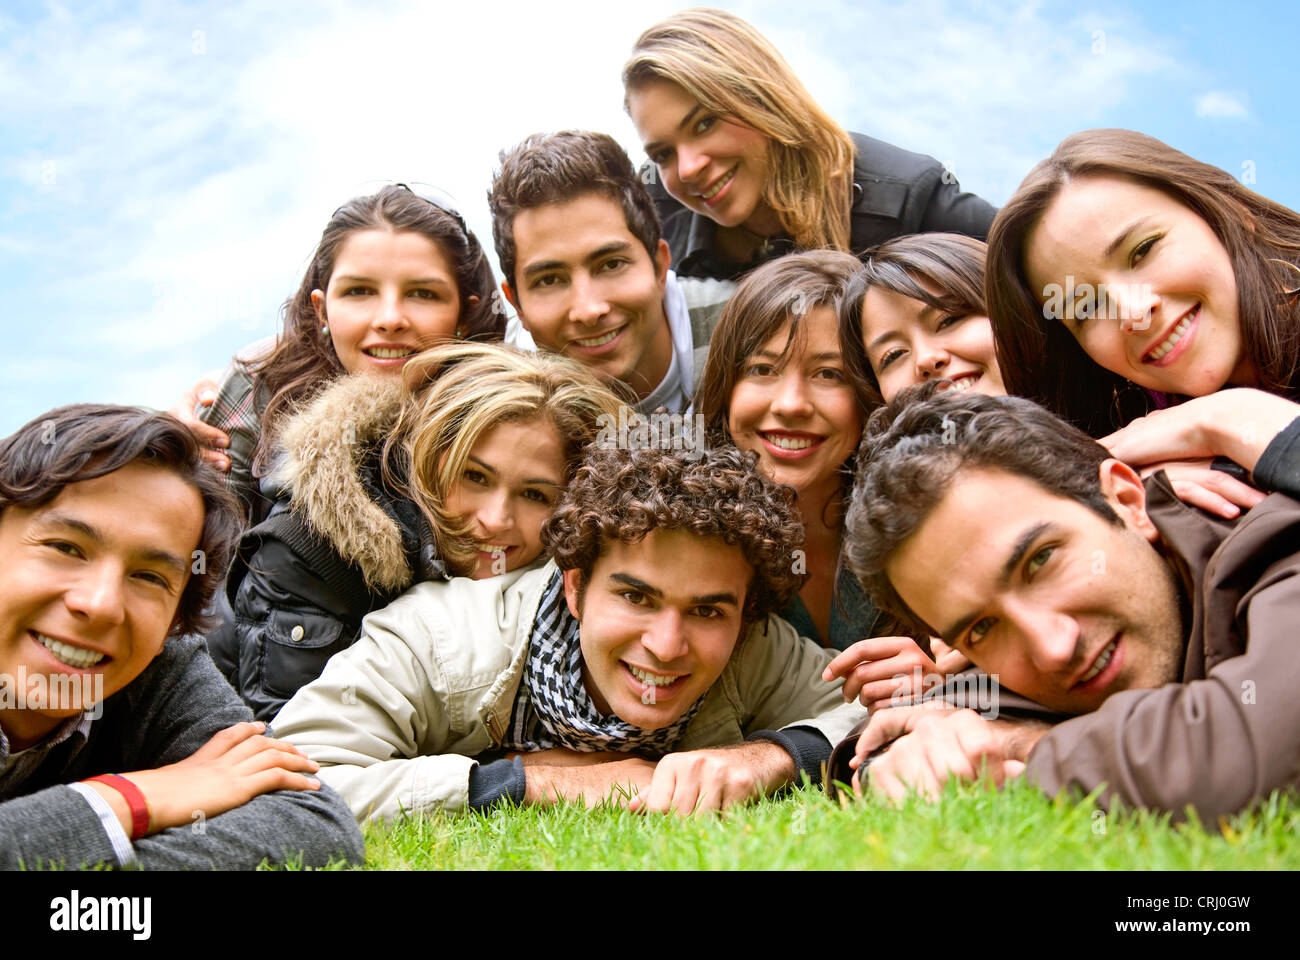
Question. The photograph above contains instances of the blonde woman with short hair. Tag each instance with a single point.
(384, 484)
(753, 167)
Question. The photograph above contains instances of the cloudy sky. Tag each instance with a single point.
(166, 168)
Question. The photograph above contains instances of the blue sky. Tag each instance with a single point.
(166, 168)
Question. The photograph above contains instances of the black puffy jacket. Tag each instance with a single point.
(338, 543)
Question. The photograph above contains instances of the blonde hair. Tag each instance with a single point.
(734, 71)
(457, 392)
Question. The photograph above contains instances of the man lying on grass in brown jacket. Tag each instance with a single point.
(1160, 641)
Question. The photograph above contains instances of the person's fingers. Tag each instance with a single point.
(1232, 489)
(1200, 496)
(892, 691)
(277, 778)
(873, 648)
(218, 460)
(659, 798)
(255, 745)
(205, 393)
(269, 757)
(223, 741)
(1012, 769)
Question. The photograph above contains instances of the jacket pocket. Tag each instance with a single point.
(296, 649)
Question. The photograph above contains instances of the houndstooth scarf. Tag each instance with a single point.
(553, 708)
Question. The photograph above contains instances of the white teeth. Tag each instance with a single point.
(494, 548)
(788, 443)
(713, 190)
(1168, 343)
(382, 354)
(654, 679)
(965, 383)
(1102, 660)
(598, 341)
(70, 655)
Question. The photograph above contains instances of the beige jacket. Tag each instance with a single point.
(396, 720)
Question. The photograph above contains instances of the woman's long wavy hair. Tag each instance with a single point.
(735, 72)
(457, 392)
(304, 361)
(1039, 358)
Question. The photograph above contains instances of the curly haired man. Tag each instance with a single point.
(641, 664)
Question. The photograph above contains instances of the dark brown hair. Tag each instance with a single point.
(86, 440)
(950, 262)
(304, 360)
(913, 449)
(619, 494)
(1040, 359)
(558, 168)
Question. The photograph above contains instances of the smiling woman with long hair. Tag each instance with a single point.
(1124, 275)
(754, 167)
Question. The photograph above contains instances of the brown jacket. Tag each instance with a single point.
(1229, 732)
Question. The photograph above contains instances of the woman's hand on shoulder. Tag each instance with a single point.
(883, 670)
(210, 438)
(1237, 423)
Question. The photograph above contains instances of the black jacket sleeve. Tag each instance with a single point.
(296, 603)
(1278, 470)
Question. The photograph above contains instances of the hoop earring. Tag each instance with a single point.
(1295, 291)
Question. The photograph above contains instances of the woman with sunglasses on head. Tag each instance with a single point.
(394, 272)
(915, 311)
(1124, 276)
(448, 471)
(754, 168)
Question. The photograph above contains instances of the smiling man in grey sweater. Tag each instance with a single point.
(113, 535)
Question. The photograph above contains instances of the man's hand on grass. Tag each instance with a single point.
(591, 782)
(932, 744)
(700, 781)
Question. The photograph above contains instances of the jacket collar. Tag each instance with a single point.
(327, 448)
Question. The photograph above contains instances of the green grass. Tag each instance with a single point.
(1016, 829)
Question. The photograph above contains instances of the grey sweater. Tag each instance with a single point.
(167, 713)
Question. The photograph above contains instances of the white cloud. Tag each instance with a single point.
(1219, 105)
(192, 179)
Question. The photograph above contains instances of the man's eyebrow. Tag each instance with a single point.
(614, 246)
(631, 581)
(63, 520)
(641, 585)
(1123, 235)
(1022, 545)
(685, 121)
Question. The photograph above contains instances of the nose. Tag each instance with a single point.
(495, 514)
(1132, 304)
(665, 636)
(587, 305)
(96, 597)
(690, 162)
(389, 315)
(1051, 637)
(792, 400)
(930, 359)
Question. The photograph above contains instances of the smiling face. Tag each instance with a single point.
(1168, 317)
(800, 415)
(910, 342)
(90, 584)
(659, 620)
(586, 287)
(508, 488)
(390, 296)
(1064, 607)
(714, 166)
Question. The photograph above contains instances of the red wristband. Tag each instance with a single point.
(134, 800)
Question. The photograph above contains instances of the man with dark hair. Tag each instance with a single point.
(586, 267)
(113, 536)
(642, 661)
(1167, 634)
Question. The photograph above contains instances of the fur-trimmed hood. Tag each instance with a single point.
(327, 446)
